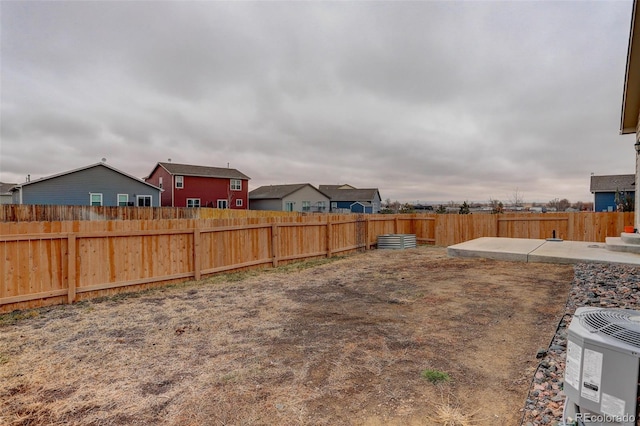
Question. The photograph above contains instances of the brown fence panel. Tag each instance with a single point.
(455, 228)
(599, 226)
(42, 213)
(381, 224)
(50, 262)
(537, 226)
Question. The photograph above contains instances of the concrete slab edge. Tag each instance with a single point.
(533, 251)
(495, 255)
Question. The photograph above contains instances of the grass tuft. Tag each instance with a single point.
(14, 317)
(435, 376)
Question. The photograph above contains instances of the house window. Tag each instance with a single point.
(144, 200)
(334, 205)
(306, 206)
(222, 204)
(321, 206)
(239, 202)
(160, 182)
(95, 198)
(288, 206)
(236, 185)
(123, 200)
(193, 202)
(179, 181)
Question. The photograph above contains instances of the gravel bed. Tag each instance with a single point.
(596, 285)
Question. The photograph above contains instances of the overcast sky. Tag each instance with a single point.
(429, 101)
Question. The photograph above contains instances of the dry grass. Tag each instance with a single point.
(448, 413)
(332, 342)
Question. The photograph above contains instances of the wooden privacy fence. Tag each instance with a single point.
(45, 263)
(32, 213)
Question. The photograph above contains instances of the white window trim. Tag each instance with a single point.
(224, 202)
(234, 187)
(126, 202)
(289, 203)
(239, 202)
(180, 182)
(192, 202)
(139, 197)
(91, 194)
(306, 206)
(160, 182)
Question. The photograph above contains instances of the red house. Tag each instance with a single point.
(186, 185)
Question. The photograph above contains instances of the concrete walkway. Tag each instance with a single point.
(548, 251)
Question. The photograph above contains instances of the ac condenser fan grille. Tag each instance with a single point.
(620, 324)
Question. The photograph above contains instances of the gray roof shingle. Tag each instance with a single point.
(275, 192)
(5, 188)
(204, 171)
(612, 183)
(337, 194)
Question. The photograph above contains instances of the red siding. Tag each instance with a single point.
(209, 191)
(167, 184)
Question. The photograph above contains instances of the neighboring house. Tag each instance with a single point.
(302, 197)
(95, 185)
(5, 192)
(186, 185)
(346, 198)
(631, 98)
(605, 189)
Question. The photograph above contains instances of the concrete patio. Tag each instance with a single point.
(548, 251)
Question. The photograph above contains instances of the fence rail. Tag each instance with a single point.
(52, 262)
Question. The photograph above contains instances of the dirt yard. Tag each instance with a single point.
(341, 341)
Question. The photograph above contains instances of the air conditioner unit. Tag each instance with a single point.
(601, 378)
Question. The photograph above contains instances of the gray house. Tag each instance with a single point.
(96, 185)
(5, 192)
(347, 199)
(300, 197)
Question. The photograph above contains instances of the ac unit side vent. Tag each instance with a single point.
(618, 324)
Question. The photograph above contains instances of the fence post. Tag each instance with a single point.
(366, 234)
(274, 244)
(329, 237)
(196, 254)
(71, 268)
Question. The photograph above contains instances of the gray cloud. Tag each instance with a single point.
(425, 100)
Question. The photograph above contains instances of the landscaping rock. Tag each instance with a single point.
(598, 285)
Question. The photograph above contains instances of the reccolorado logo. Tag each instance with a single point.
(605, 418)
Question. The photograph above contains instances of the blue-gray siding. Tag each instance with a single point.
(74, 188)
(606, 201)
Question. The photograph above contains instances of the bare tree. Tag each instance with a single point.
(563, 205)
(554, 204)
(517, 198)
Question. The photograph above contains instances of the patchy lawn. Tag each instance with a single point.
(383, 337)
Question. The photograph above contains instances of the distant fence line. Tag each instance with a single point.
(53, 262)
(32, 213)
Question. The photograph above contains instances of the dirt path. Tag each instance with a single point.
(340, 342)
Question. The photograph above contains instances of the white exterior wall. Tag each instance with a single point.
(306, 194)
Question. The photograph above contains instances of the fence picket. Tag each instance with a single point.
(55, 261)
